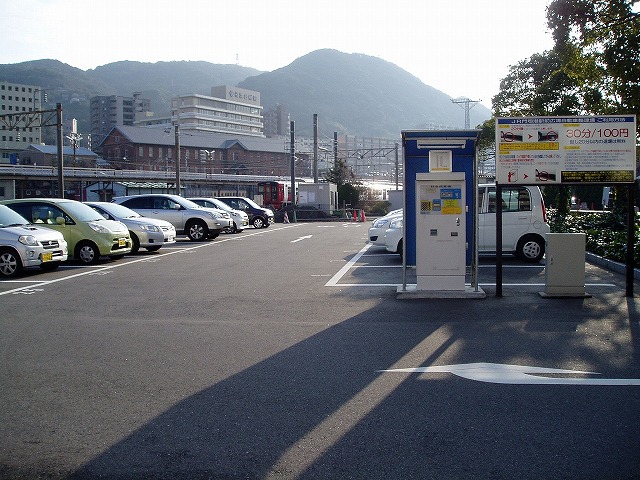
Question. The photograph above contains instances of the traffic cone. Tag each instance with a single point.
(362, 217)
(286, 218)
(355, 215)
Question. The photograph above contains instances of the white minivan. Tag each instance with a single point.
(524, 223)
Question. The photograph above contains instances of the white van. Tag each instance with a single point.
(524, 223)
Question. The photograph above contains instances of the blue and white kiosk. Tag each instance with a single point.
(440, 215)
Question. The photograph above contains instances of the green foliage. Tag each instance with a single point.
(348, 194)
(601, 41)
(340, 174)
(375, 207)
(606, 232)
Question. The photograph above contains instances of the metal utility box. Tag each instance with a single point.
(323, 196)
(440, 231)
(565, 270)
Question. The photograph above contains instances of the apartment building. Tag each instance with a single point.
(107, 111)
(18, 133)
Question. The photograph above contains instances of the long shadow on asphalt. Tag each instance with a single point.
(323, 409)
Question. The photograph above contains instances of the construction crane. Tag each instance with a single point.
(467, 104)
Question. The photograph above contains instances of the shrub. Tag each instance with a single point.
(606, 233)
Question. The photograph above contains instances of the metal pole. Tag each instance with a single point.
(335, 149)
(315, 148)
(60, 154)
(177, 159)
(631, 227)
(396, 165)
(498, 240)
(292, 148)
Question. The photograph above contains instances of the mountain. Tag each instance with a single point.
(352, 94)
(358, 95)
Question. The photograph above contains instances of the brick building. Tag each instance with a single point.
(129, 147)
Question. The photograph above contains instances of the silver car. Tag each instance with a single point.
(188, 218)
(25, 245)
(148, 233)
(240, 218)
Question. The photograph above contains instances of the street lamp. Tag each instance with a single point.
(210, 156)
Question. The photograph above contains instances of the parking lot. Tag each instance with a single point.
(284, 353)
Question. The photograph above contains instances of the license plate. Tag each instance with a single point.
(46, 257)
(170, 239)
(122, 242)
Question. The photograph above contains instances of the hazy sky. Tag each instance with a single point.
(462, 48)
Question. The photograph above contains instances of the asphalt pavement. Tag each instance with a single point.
(285, 353)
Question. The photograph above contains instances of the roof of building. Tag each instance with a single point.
(201, 140)
(66, 151)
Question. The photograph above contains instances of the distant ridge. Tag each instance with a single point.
(352, 94)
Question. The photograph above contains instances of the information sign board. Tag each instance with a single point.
(566, 150)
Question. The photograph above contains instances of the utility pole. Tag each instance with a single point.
(292, 148)
(467, 104)
(315, 148)
(60, 150)
(177, 159)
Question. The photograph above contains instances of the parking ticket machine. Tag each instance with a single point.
(440, 231)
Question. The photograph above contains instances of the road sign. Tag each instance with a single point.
(566, 150)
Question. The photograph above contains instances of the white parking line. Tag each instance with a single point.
(336, 278)
(102, 270)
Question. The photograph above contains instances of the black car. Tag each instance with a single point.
(303, 212)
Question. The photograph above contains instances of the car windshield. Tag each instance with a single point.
(80, 212)
(118, 211)
(9, 218)
(186, 203)
(252, 203)
(221, 205)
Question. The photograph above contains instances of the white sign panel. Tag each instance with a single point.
(554, 150)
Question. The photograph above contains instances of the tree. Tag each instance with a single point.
(343, 177)
(600, 40)
(340, 173)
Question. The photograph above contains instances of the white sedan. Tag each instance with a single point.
(380, 225)
(393, 236)
(148, 233)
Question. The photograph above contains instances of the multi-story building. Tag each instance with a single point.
(18, 133)
(229, 110)
(108, 111)
(277, 122)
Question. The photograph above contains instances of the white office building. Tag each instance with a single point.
(229, 110)
(18, 132)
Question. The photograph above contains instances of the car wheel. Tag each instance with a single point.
(154, 248)
(49, 266)
(10, 264)
(234, 229)
(197, 230)
(530, 248)
(135, 242)
(258, 222)
(87, 253)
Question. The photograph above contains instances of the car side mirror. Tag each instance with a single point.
(60, 220)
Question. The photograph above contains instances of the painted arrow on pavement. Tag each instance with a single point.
(301, 238)
(517, 374)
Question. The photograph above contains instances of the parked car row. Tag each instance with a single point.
(88, 235)
(45, 232)
(524, 224)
